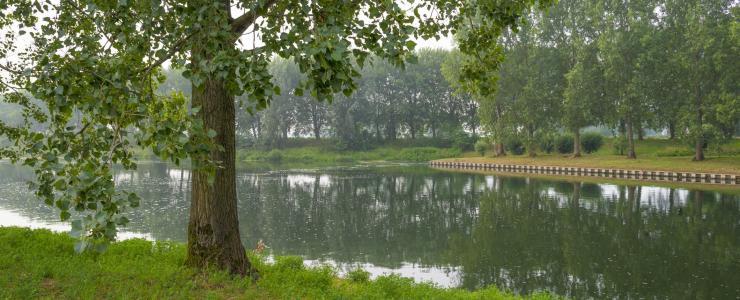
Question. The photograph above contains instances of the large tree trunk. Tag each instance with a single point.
(500, 149)
(672, 130)
(577, 143)
(213, 230)
(630, 140)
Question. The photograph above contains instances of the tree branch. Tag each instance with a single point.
(177, 47)
(240, 24)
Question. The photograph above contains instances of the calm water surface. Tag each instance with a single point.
(582, 240)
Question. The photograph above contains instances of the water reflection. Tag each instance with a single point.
(575, 239)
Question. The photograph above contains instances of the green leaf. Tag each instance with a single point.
(64, 215)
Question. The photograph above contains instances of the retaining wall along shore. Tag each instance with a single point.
(711, 178)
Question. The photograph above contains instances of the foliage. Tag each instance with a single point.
(328, 155)
(358, 275)
(591, 142)
(514, 145)
(547, 143)
(564, 143)
(41, 264)
(619, 145)
(481, 146)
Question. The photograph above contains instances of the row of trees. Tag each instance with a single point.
(662, 64)
(390, 103)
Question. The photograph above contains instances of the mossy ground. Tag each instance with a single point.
(652, 154)
(42, 264)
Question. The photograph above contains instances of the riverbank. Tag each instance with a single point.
(652, 155)
(323, 155)
(719, 165)
(42, 264)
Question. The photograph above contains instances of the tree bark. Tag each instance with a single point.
(577, 143)
(630, 140)
(213, 229)
(672, 130)
(699, 143)
(531, 147)
(499, 148)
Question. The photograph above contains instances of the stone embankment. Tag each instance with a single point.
(689, 177)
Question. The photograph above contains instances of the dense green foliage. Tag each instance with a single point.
(669, 65)
(38, 263)
(591, 142)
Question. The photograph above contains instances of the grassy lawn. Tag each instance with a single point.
(42, 264)
(652, 154)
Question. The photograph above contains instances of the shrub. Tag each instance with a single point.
(275, 156)
(514, 145)
(547, 144)
(463, 141)
(620, 145)
(481, 146)
(591, 142)
(424, 154)
(289, 263)
(358, 275)
(564, 144)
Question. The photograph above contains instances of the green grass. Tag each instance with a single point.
(313, 155)
(42, 264)
(652, 154)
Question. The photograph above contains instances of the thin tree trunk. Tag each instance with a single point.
(577, 143)
(630, 140)
(699, 144)
(316, 130)
(672, 130)
(531, 148)
(213, 229)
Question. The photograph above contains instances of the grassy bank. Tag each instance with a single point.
(328, 156)
(42, 264)
(652, 154)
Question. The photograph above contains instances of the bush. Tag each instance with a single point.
(274, 156)
(358, 275)
(564, 144)
(424, 154)
(514, 146)
(547, 144)
(289, 263)
(481, 146)
(620, 145)
(463, 141)
(591, 142)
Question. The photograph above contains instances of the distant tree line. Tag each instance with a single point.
(413, 103)
(668, 65)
